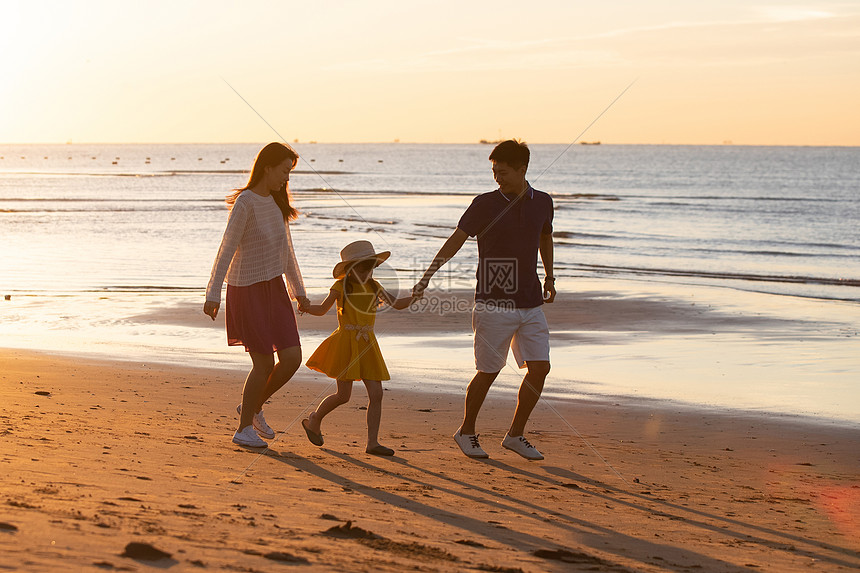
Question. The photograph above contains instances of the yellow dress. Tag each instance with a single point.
(351, 352)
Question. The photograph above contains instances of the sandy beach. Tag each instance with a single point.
(99, 455)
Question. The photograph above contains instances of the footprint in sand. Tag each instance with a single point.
(285, 558)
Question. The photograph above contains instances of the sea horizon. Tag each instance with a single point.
(584, 142)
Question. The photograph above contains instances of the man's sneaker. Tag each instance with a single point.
(521, 446)
(248, 437)
(260, 424)
(469, 444)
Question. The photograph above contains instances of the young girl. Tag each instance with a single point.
(351, 352)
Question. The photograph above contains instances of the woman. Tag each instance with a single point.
(256, 253)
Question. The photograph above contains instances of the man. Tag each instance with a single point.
(513, 224)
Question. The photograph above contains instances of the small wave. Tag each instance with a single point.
(314, 172)
(349, 219)
(115, 210)
(145, 288)
(169, 173)
(733, 198)
(838, 246)
(383, 192)
(425, 234)
(775, 253)
(728, 276)
(673, 204)
(432, 226)
(246, 172)
(751, 252)
(779, 254)
(587, 245)
(775, 199)
(571, 235)
(203, 172)
(590, 196)
(90, 173)
(103, 200)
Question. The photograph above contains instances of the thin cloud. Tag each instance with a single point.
(579, 51)
(482, 55)
(780, 14)
(769, 15)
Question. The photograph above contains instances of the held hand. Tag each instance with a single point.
(303, 303)
(548, 291)
(211, 309)
(418, 289)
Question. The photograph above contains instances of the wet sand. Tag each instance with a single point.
(634, 340)
(99, 455)
(587, 311)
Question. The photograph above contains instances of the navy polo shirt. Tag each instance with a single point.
(508, 232)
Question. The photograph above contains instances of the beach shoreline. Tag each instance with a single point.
(625, 341)
(99, 454)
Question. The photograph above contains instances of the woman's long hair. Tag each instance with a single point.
(271, 156)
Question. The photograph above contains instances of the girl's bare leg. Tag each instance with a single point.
(329, 403)
(374, 411)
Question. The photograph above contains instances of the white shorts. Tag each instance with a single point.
(523, 330)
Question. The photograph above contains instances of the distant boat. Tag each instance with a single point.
(488, 142)
(589, 143)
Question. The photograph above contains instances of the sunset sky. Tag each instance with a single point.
(745, 71)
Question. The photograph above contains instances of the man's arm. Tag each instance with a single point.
(448, 250)
(546, 253)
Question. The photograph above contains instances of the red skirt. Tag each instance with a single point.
(260, 317)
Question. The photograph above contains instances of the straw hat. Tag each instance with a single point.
(354, 253)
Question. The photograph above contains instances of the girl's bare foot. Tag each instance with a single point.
(314, 422)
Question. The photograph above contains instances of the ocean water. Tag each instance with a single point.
(94, 234)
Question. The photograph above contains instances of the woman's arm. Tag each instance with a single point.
(236, 222)
(323, 307)
(292, 272)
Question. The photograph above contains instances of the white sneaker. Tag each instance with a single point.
(262, 427)
(470, 446)
(248, 437)
(521, 446)
(260, 424)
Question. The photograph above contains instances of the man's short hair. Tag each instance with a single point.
(512, 152)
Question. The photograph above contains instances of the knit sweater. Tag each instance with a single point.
(256, 247)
